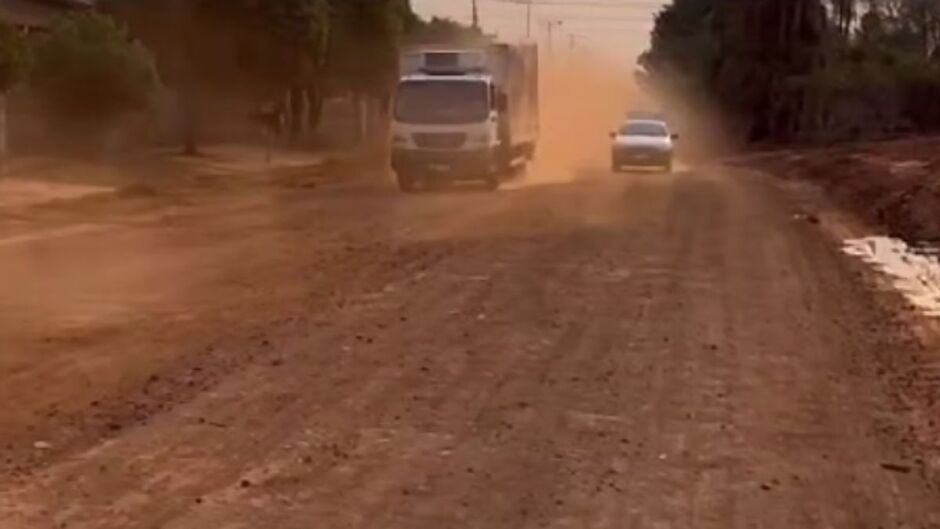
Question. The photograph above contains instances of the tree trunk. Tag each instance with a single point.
(361, 109)
(314, 108)
(190, 112)
(295, 109)
(190, 141)
(4, 137)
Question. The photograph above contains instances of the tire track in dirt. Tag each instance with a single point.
(652, 351)
(442, 293)
(360, 486)
(521, 430)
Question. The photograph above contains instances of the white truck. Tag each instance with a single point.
(465, 114)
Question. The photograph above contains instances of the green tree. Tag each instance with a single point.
(266, 49)
(367, 35)
(233, 48)
(296, 36)
(276, 47)
(843, 16)
(15, 57)
(87, 70)
(684, 47)
(363, 56)
(14, 64)
(755, 60)
(363, 51)
(443, 31)
(194, 49)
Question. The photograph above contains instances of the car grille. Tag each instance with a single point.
(450, 140)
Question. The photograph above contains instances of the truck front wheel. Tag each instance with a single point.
(492, 182)
(668, 167)
(406, 182)
(530, 152)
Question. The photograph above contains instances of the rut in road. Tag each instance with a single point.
(647, 351)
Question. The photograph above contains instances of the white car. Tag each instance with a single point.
(643, 143)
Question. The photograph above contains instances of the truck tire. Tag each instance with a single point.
(406, 182)
(492, 182)
(530, 152)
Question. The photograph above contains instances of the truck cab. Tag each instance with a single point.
(451, 118)
(445, 127)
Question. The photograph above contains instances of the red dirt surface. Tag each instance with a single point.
(892, 184)
(638, 349)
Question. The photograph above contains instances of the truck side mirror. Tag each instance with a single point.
(502, 102)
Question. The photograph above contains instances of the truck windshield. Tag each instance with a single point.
(441, 102)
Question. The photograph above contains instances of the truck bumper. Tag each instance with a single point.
(452, 165)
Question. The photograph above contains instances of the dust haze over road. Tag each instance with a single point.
(583, 349)
(581, 101)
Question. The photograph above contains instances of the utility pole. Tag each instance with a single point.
(552, 24)
(476, 15)
(528, 19)
(574, 42)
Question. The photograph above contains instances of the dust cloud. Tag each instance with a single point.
(582, 100)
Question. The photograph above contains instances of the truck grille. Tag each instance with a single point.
(449, 140)
(641, 151)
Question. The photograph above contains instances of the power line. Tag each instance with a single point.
(586, 21)
(581, 19)
(632, 5)
(551, 24)
(646, 5)
(591, 26)
(603, 29)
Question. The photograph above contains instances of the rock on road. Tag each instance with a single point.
(643, 351)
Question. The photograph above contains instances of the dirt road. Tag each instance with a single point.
(640, 351)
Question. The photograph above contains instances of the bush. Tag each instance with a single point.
(88, 70)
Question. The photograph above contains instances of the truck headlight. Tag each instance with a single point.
(480, 138)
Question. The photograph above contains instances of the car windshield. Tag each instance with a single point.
(441, 102)
(644, 128)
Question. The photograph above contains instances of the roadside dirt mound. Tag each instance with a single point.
(895, 184)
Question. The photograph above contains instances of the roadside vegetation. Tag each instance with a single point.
(15, 59)
(289, 54)
(803, 70)
(87, 71)
(275, 64)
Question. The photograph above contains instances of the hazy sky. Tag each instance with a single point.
(617, 29)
